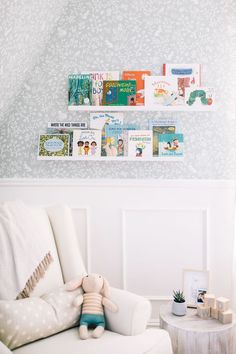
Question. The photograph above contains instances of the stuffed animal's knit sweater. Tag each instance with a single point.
(92, 304)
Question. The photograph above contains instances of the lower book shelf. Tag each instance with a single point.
(110, 158)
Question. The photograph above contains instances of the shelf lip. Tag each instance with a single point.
(141, 108)
(110, 158)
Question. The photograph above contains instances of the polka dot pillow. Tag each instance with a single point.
(24, 321)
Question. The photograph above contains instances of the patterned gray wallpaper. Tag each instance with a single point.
(117, 35)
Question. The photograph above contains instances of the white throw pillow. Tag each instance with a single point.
(24, 321)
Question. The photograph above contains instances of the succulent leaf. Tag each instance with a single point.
(178, 296)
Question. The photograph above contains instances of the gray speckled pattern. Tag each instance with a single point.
(117, 35)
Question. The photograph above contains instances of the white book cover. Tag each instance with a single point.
(188, 76)
(86, 143)
(160, 91)
(99, 120)
(199, 96)
(97, 83)
(140, 143)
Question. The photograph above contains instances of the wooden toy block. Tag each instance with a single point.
(222, 303)
(203, 311)
(209, 300)
(226, 316)
(214, 313)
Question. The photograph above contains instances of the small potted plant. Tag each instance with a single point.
(178, 305)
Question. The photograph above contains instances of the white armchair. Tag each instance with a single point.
(126, 332)
(4, 349)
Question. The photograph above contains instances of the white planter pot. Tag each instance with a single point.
(179, 308)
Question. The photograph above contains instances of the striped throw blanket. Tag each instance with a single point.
(23, 256)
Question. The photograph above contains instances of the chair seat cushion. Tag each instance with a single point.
(152, 341)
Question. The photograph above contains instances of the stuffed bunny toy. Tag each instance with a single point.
(96, 293)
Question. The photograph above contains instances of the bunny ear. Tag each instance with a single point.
(74, 284)
(106, 288)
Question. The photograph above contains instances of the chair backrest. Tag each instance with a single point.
(64, 246)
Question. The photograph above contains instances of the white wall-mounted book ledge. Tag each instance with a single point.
(111, 158)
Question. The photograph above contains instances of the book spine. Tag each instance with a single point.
(164, 69)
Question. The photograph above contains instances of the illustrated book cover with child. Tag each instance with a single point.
(171, 145)
(140, 143)
(86, 143)
(113, 143)
(101, 121)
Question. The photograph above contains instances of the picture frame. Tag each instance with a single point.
(195, 286)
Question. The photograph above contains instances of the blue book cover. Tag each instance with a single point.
(171, 145)
(114, 142)
(79, 90)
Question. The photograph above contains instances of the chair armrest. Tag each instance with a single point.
(132, 315)
(4, 349)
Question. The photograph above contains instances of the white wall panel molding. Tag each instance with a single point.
(184, 227)
(122, 225)
(149, 183)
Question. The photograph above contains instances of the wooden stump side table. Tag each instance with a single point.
(192, 335)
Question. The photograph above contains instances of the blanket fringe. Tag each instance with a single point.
(36, 276)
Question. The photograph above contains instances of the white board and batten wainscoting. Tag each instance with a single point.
(141, 234)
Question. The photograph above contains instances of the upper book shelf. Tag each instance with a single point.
(142, 108)
(179, 88)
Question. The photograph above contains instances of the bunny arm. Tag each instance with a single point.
(73, 284)
(78, 300)
(109, 304)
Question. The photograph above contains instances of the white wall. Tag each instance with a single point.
(141, 234)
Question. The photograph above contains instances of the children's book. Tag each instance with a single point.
(65, 128)
(79, 90)
(86, 143)
(119, 93)
(69, 125)
(171, 144)
(161, 121)
(157, 130)
(53, 145)
(160, 90)
(97, 83)
(199, 96)
(101, 121)
(139, 77)
(114, 142)
(125, 135)
(140, 143)
(188, 75)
